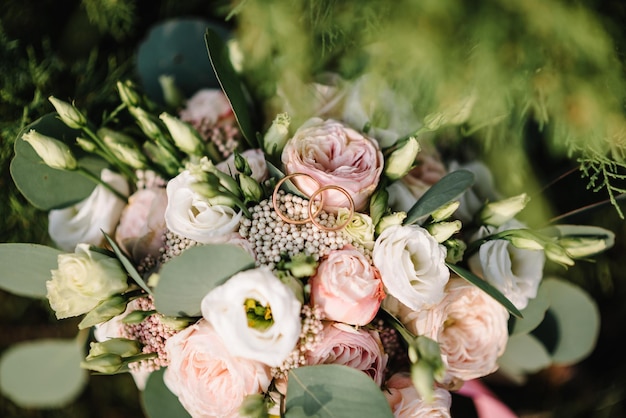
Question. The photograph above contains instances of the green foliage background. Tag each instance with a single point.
(571, 111)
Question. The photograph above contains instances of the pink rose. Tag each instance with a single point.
(473, 332)
(406, 402)
(207, 106)
(207, 379)
(347, 287)
(142, 224)
(356, 348)
(334, 154)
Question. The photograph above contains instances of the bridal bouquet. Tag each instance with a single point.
(320, 268)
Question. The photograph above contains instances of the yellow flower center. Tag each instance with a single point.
(259, 316)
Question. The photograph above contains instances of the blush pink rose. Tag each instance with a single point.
(357, 348)
(142, 224)
(207, 379)
(334, 154)
(347, 287)
(405, 402)
(207, 106)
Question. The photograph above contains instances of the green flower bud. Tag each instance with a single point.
(497, 213)
(423, 380)
(301, 265)
(445, 211)
(379, 204)
(137, 317)
(177, 323)
(456, 249)
(241, 164)
(104, 363)
(525, 240)
(252, 190)
(558, 254)
(124, 147)
(128, 94)
(122, 347)
(68, 113)
(253, 406)
(277, 135)
(172, 95)
(85, 144)
(146, 122)
(395, 218)
(441, 231)
(401, 161)
(104, 311)
(161, 157)
(581, 247)
(54, 153)
(184, 135)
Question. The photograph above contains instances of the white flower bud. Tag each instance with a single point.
(52, 151)
(276, 136)
(445, 211)
(400, 162)
(441, 231)
(252, 190)
(104, 311)
(124, 147)
(68, 113)
(104, 363)
(128, 95)
(558, 254)
(184, 135)
(497, 213)
(146, 122)
(122, 347)
(385, 222)
(172, 95)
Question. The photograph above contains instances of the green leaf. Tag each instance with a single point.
(287, 186)
(231, 84)
(331, 390)
(43, 374)
(187, 278)
(444, 191)
(486, 287)
(44, 187)
(524, 355)
(130, 268)
(25, 268)
(158, 401)
(534, 313)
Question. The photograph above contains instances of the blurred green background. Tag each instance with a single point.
(77, 50)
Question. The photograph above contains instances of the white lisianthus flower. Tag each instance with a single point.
(515, 272)
(412, 265)
(190, 215)
(84, 279)
(256, 315)
(85, 221)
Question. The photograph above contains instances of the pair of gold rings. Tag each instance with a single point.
(312, 215)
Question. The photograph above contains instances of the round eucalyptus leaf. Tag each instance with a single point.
(524, 354)
(176, 48)
(158, 401)
(43, 374)
(533, 314)
(44, 187)
(25, 268)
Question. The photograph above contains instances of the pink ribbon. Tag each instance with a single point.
(486, 403)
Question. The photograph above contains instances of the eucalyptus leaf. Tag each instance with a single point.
(486, 287)
(524, 354)
(533, 314)
(446, 190)
(48, 188)
(158, 401)
(231, 85)
(337, 391)
(42, 374)
(187, 278)
(25, 268)
(130, 268)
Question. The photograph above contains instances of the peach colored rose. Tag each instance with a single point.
(474, 331)
(406, 402)
(336, 155)
(142, 224)
(357, 348)
(207, 379)
(347, 287)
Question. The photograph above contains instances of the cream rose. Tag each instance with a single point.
(357, 348)
(256, 315)
(82, 280)
(411, 264)
(208, 380)
(347, 288)
(473, 333)
(405, 402)
(142, 224)
(360, 229)
(515, 272)
(256, 161)
(85, 221)
(334, 154)
(188, 214)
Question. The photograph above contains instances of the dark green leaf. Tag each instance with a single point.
(231, 84)
(48, 188)
(187, 278)
(25, 268)
(158, 401)
(486, 287)
(287, 186)
(331, 390)
(43, 374)
(132, 271)
(444, 191)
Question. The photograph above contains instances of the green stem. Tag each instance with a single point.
(98, 180)
(110, 157)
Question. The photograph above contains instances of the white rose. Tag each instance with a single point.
(85, 221)
(515, 272)
(256, 315)
(256, 161)
(189, 215)
(84, 279)
(411, 264)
